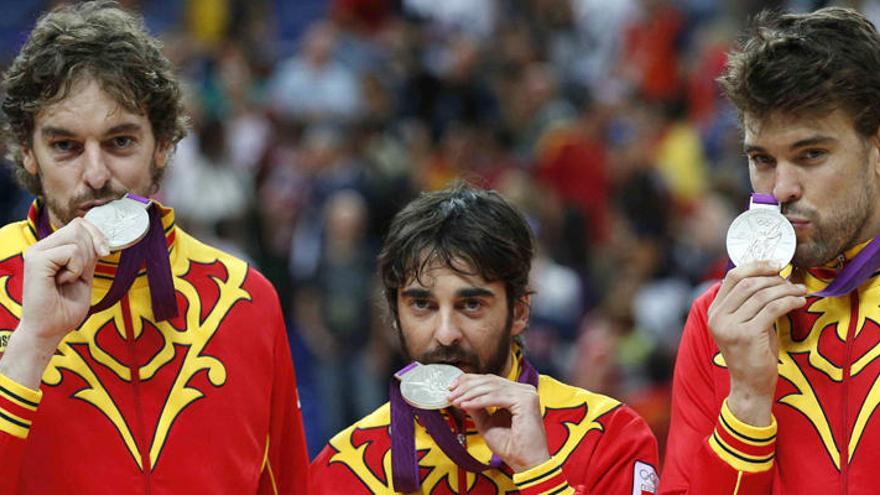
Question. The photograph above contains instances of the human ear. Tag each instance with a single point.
(521, 311)
(29, 160)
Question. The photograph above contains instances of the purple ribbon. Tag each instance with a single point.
(855, 273)
(404, 462)
(764, 199)
(150, 251)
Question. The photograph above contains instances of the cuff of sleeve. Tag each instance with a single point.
(544, 479)
(744, 447)
(18, 405)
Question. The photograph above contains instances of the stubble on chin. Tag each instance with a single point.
(811, 254)
(829, 242)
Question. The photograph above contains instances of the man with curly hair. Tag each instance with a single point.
(160, 368)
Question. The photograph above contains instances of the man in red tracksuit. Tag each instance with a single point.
(777, 379)
(160, 369)
(455, 266)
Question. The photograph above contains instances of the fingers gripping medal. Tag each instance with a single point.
(425, 386)
(761, 233)
(123, 222)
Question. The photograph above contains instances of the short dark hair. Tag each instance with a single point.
(806, 64)
(91, 39)
(469, 230)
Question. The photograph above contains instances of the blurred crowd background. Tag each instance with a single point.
(313, 121)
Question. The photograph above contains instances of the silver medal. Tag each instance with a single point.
(761, 233)
(123, 222)
(426, 386)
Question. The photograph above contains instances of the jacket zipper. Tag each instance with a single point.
(847, 370)
(462, 439)
(133, 368)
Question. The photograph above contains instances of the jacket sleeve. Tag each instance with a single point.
(544, 479)
(709, 451)
(285, 467)
(18, 406)
(625, 457)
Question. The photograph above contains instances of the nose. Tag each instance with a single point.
(447, 331)
(96, 174)
(787, 184)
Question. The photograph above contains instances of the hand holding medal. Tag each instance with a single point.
(423, 389)
(751, 298)
(133, 225)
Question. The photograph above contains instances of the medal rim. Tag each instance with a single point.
(143, 219)
(432, 406)
(788, 232)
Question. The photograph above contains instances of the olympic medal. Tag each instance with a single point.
(761, 234)
(426, 386)
(123, 222)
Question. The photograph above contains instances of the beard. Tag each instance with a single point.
(463, 358)
(838, 231)
(64, 213)
(67, 212)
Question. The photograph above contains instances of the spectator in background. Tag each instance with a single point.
(312, 86)
(651, 53)
(541, 109)
(593, 57)
(472, 18)
(448, 90)
(334, 308)
(223, 192)
(13, 201)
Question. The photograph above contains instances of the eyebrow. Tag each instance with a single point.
(466, 292)
(810, 141)
(127, 127)
(50, 131)
(474, 292)
(416, 293)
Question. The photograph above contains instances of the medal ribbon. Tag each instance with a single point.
(151, 251)
(404, 462)
(854, 274)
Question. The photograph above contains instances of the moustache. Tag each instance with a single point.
(106, 193)
(788, 209)
(449, 354)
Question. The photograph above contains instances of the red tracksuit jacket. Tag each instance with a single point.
(204, 403)
(826, 436)
(598, 447)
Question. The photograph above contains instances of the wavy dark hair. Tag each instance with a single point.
(807, 64)
(97, 40)
(469, 230)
